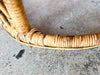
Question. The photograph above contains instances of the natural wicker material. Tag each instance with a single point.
(14, 20)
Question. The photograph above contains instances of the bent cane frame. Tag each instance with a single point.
(14, 21)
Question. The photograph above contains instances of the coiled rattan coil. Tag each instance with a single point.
(14, 21)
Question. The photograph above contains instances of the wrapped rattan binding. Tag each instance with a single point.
(14, 20)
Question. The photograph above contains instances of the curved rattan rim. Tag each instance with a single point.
(14, 21)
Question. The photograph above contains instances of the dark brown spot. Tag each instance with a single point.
(20, 54)
(61, 27)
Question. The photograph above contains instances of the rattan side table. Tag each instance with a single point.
(14, 21)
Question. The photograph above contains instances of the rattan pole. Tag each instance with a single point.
(18, 16)
(34, 37)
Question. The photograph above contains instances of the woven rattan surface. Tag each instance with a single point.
(14, 21)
